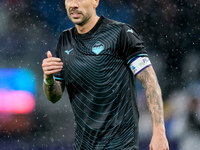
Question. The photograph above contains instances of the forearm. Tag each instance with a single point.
(54, 91)
(154, 97)
(155, 105)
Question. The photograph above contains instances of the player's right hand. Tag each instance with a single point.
(51, 65)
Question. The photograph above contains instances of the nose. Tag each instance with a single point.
(73, 3)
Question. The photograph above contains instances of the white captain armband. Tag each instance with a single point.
(139, 64)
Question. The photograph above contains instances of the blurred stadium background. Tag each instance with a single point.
(29, 28)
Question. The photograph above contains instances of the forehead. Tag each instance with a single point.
(81, 2)
(67, 1)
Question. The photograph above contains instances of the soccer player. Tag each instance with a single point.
(98, 62)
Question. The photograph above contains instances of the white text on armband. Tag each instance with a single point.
(139, 64)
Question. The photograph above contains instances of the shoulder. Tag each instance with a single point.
(124, 26)
(108, 21)
(68, 31)
(66, 34)
(112, 26)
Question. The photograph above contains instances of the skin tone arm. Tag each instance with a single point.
(148, 79)
(51, 65)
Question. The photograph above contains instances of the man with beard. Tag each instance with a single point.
(95, 61)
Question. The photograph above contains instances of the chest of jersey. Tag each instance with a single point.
(95, 58)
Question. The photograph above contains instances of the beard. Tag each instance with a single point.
(81, 20)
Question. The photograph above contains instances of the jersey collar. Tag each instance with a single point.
(92, 31)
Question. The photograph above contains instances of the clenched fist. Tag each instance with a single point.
(51, 65)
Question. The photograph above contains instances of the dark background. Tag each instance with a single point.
(170, 30)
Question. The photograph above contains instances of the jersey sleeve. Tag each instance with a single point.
(131, 46)
(59, 75)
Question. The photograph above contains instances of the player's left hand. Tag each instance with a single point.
(159, 142)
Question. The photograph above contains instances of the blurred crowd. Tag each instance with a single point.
(170, 30)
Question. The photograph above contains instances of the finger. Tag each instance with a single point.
(49, 55)
(50, 72)
(52, 59)
(53, 64)
(49, 68)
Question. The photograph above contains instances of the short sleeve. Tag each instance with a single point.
(131, 45)
(58, 75)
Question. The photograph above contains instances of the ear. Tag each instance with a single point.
(96, 3)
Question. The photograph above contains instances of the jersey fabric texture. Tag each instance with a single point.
(100, 84)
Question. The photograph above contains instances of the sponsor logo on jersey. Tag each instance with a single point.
(68, 51)
(98, 47)
(130, 30)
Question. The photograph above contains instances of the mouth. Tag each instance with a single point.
(75, 15)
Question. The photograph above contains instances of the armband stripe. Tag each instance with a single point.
(59, 78)
(140, 55)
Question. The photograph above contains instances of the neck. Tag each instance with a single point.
(87, 26)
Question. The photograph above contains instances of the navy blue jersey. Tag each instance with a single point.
(100, 84)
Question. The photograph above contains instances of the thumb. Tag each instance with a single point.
(49, 55)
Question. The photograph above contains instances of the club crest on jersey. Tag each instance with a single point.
(98, 47)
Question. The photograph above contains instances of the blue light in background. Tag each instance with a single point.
(17, 79)
(17, 91)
